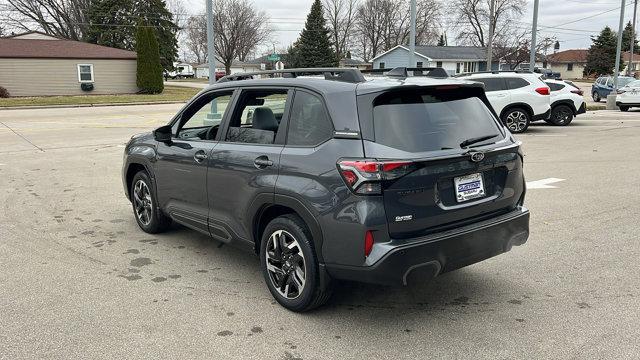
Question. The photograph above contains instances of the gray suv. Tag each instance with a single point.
(389, 181)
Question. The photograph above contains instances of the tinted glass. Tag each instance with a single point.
(492, 84)
(516, 83)
(309, 123)
(256, 119)
(416, 123)
(554, 86)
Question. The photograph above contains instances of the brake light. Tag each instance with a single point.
(365, 176)
(543, 90)
(368, 242)
(578, 91)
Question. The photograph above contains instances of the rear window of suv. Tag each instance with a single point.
(430, 121)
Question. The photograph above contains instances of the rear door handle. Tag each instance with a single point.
(262, 162)
(200, 156)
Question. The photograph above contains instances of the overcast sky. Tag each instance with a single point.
(288, 16)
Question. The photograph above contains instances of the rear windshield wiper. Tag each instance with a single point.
(474, 140)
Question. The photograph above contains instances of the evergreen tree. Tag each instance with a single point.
(149, 69)
(602, 54)
(441, 41)
(313, 48)
(110, 25)
(626, 39)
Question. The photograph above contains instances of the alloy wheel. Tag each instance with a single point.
(142, 202)
(285, 264)
(516, 121)
(563, 116)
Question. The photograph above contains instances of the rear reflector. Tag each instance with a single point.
(368, 243)
(543, 90)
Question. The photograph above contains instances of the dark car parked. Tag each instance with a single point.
(603, 86)
(386, 181)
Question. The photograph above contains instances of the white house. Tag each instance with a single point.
(202, 70)
(454, 59)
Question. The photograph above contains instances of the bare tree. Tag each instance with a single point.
(383, 24)
(516, 51)
(472, 18)
(196, 37)
(63, 18)
(340, 15)
(239, 29)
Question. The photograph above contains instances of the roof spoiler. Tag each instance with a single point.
(403, 72)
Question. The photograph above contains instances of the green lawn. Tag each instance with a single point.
(170, 94)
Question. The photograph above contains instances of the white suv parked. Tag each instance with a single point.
(567, 101)
(517, 97)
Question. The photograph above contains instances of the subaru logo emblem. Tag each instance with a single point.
(477, 156)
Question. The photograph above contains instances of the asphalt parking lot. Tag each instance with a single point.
(79, 279)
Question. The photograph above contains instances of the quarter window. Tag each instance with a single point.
(309, 123)
(554, 86)
(85, 73)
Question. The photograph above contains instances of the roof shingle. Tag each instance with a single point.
(59, 49)
(569, 56)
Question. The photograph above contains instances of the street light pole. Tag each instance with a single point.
(412, 35)
(534, 31)
(633, 36)
(492, 5)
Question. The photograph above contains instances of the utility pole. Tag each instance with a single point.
(492, 10)
(212, 116)
(618, 50)
(412, 36)
(633, 36)
(534, 31)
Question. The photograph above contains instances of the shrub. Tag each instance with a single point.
(4, 93)
(149, 70)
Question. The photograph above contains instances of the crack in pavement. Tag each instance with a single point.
(20, 135)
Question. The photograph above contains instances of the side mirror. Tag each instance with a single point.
(163, 134)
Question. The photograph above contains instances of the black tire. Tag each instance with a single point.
(516, 119)
(315, 292)
(624, 108)
(154, 220)
(561, 115)
(596, 96)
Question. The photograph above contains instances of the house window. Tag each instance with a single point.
(382, 65)
(439, 64)
(569, 67)
(458, 68)
(419, 64)
(85, 73)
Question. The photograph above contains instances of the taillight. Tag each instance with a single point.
(578, 91)
(368, 242)
(543, 90)
(365, 176)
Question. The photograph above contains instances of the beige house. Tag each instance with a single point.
(569, 63)
(36, 64)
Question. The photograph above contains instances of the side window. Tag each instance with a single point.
(610, 82)
(257, 116)
(492, 84)
(516, 83)
(202, 115)
(309, 123)
(554, 86)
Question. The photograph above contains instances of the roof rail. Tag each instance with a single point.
(403, 72)
(349, 75)
(496, 72)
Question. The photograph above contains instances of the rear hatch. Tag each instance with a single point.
(450, 161)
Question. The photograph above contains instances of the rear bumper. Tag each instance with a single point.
(426, 257)
(544, 116)
(620, 103)
(582, 109)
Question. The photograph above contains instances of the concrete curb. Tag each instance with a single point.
(62, 106)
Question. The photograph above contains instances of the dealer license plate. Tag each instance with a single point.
(469, 187)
